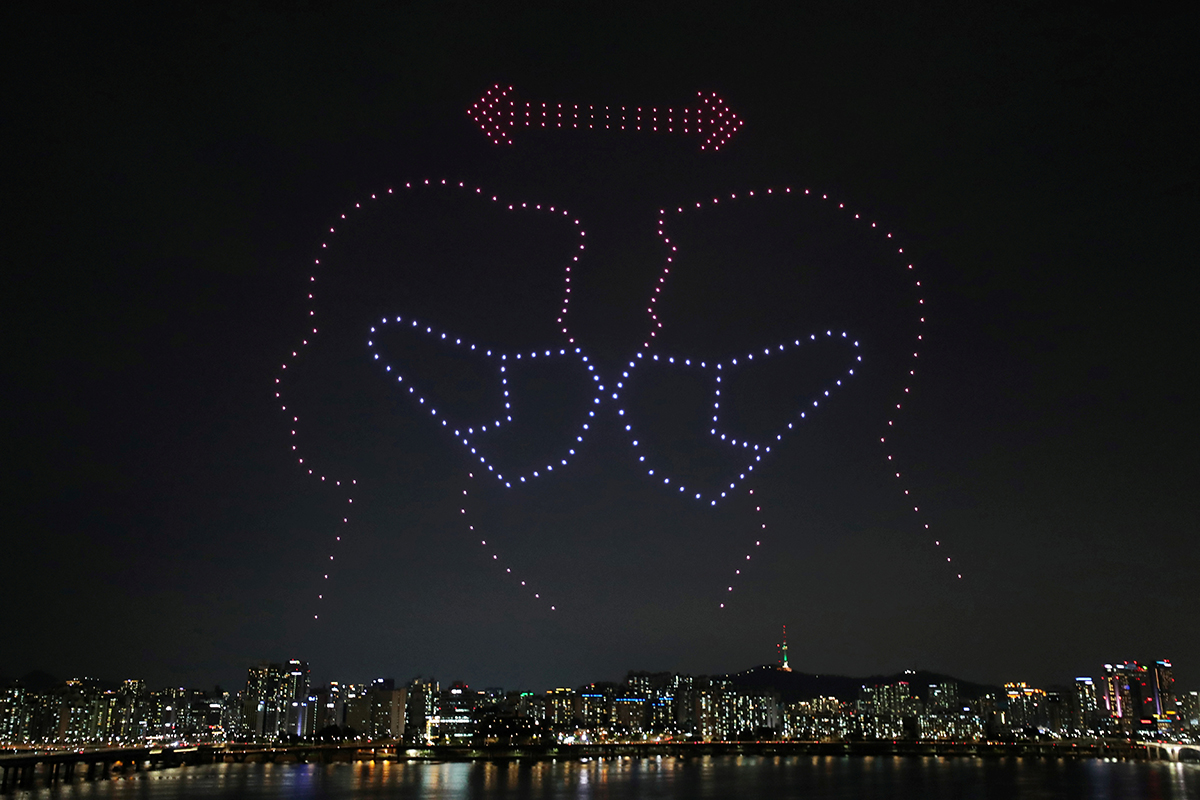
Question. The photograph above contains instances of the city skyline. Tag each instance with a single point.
(181, 175)
(280, 703)
(782, 664)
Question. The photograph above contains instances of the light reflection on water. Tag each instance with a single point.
(742, 777)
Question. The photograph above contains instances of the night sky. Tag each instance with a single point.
(172, 178)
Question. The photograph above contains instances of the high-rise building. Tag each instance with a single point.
(260, 699)
(388, 706)
(296, 696)
(357, 700)
(1085, 707)
(1117, 695)
(942, 698)
(76, 721)
(1026, 707)
(647, 702)
(893, 699)
(106, 717)
(212, 717)
(683, 689)
(1162, 682)
(14, 716)
(133, 711)
(1189, 711)
(44, 716)
(231, 717)
(723, 711)
(455, 720)
(823, 718)
(946, 717)
(1058, 715)
(562, 708)
(705, 702)
(330, 706)
(629, 712)
(275, 702)
(172, 711)
(595, 705)
(421, 707)
(532, 706)
(1166, 710)
(1137, 698)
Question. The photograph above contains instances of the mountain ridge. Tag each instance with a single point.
(795, 686)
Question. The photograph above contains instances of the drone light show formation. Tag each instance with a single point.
(498, 113)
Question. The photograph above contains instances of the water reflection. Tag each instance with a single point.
(742, 777)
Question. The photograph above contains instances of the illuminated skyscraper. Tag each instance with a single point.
(1026, 707)
(658, 691)
(1162, 682)
(1140, 697)
(595, 705)
(296, 698)
(533, 706)
(456, 714)
(1085, 708)
(562, 707)
(890, 699)
(276, 699)
(14, 716)
(1189, 711)
(331, 709)
(261, 701)
(942, 698)
(1117, 695)
(629, 712)
(421, 706)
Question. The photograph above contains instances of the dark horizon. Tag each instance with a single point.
(176, 175)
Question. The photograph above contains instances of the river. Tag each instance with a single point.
(741, 777)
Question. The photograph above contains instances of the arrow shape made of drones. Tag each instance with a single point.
(499, 113)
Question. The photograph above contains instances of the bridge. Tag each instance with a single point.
(19, 770)
(1174, 751)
